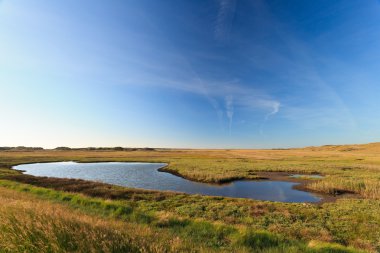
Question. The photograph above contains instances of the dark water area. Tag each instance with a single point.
(147, 176)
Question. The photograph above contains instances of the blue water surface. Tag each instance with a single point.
(147, 176)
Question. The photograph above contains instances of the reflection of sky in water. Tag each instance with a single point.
(146, 176)
(306, 176)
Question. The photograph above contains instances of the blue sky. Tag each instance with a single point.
(197, 74)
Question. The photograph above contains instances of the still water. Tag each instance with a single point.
(146, 176)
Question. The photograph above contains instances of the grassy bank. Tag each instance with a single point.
(36, 219)
(295, 227)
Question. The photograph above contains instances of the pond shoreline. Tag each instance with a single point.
(261, 176)
(275, 176)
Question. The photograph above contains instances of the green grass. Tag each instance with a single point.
(34, 219)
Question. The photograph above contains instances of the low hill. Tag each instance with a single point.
(370, 147)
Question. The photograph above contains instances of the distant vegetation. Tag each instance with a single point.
(105, 149)
(20, 148)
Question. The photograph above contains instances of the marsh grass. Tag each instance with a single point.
(31, 225)
(212, 223)
(59, 220)
(367, 187)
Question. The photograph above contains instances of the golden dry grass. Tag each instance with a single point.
(28, 224)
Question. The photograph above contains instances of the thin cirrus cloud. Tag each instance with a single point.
(224, 97)
(224, 18)
(298, 65)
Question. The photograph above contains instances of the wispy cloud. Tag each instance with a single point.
(306, 94)
(275, 109)
(225, 97)
(309, 97)
(231, 96)
(229, 110)
(224, 18)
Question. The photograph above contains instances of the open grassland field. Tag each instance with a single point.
(52, 215)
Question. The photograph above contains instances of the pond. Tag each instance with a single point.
(146, 176)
